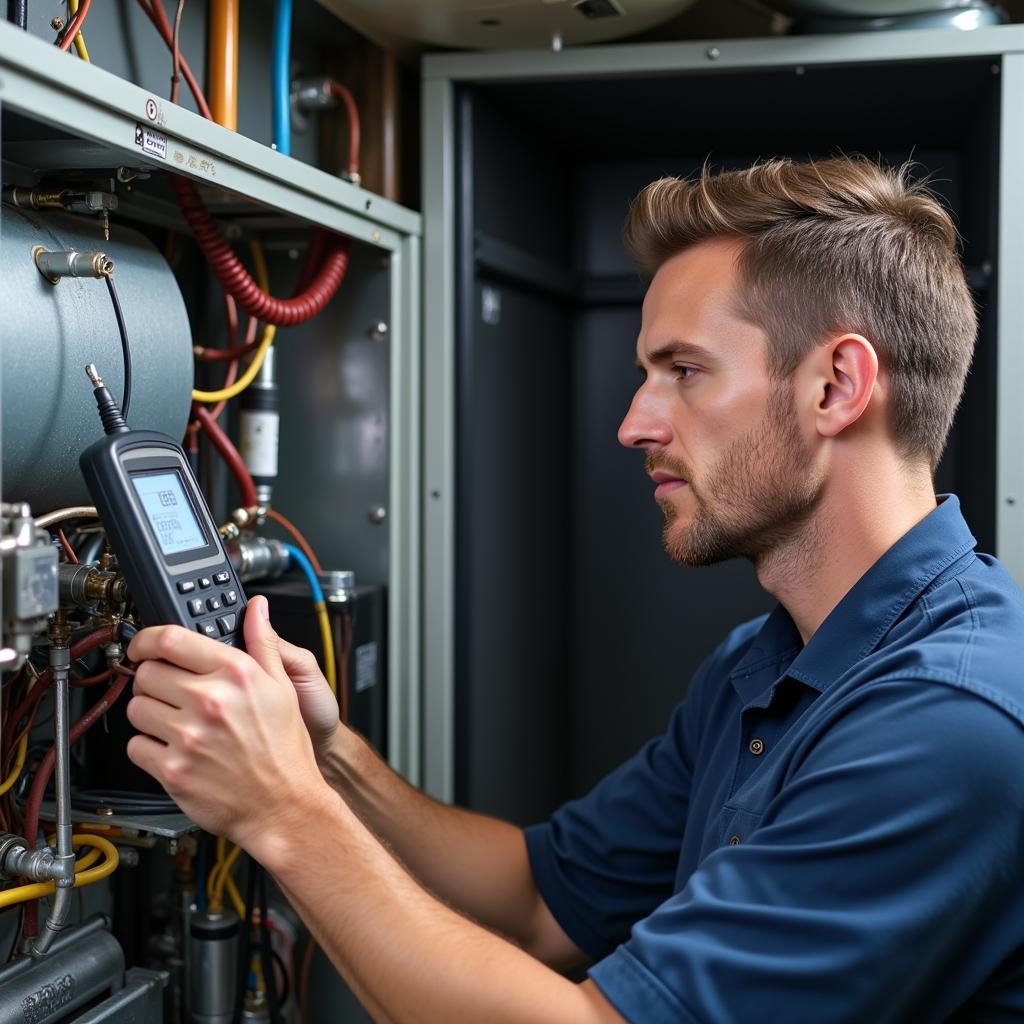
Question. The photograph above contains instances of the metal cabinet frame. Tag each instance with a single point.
(442, 75)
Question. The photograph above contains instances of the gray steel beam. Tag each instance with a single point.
(39, 81)
(1010, 325)
(637, 60)
(438, 599)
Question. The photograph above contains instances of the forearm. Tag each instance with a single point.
(475, 863)
(406, 955)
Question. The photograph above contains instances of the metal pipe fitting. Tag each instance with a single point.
(62, 515)
(338, 586)
(18, 861)
(258, 558)
(68, 263)
(87, 585)
(64, 861)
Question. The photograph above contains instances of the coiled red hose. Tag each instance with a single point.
(237, 281)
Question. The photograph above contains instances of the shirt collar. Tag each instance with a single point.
(855, 627)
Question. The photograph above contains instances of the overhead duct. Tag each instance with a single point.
(874, 15)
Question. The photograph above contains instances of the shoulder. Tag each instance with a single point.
(967, 632)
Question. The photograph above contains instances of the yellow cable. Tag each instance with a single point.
(236, 898)
(247, 378)
(79, 38)
(259, 266)
(330, 667)
(84, 875)
(19, 763)
(224, 878)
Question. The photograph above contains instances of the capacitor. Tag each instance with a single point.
(213, 953)
(258, 427)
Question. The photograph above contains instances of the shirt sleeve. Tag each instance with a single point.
(865, 887)
(603, 862)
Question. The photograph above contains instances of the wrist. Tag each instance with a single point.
(337, 759)
(294, 830)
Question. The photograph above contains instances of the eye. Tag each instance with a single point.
(684, 372)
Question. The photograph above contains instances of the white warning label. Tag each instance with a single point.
(151, 143)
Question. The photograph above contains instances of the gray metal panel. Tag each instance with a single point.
(1010, 331)
(717, 55)
(38, 80)
(141, 1001)
(438, 440)
(405, 581)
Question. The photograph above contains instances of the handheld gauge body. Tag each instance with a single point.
(161, 530)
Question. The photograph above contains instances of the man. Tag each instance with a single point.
(832, 827)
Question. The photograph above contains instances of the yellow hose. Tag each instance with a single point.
(79, 38)
(247, 378)
(269, 330)
(330, 666)
(19, 763)
(85, 874)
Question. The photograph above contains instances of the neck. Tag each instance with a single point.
(859, 518)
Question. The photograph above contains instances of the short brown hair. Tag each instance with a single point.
(838, 245)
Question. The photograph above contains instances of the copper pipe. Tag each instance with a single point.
(223, 81)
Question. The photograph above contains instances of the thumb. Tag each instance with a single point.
(261, 642)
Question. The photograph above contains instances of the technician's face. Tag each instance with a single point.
(734, 473)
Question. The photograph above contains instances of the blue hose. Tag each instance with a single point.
(299, 559)
(281, 81)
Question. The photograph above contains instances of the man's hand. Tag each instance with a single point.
(318, 705)
(222, 730)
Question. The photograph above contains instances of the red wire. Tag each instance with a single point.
(158, 17)
(67, 547)
(45, 770)
(229, 453)
(72, 28)
(343, 93)
(304, 544)
(103, 635)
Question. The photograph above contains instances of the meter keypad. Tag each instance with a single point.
(186, 586)
(195, 606)
(227, 623)
(221, 577)
(204, 582)
(229, 597)
(213, 604)
(208, 628)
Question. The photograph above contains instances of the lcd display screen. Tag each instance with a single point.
(169, 512)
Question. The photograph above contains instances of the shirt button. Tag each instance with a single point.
(734, 840)
(756, 747)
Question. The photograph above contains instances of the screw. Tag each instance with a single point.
(105, 812)
(293, 254)
(57, 24)
(377, 514)
(376, 236)
(1011, 501)
(713, 53)
(435, 495)
(379, 331)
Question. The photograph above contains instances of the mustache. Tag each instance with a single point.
(667, 464)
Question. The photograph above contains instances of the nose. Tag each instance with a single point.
(644, 426)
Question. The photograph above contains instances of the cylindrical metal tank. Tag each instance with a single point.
(48, 332)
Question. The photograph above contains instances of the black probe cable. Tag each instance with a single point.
(17, 13)
(123, 331)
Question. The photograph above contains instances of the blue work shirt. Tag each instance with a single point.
(829, 832)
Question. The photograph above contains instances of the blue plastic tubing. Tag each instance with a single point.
(281, 84)
(300, 560)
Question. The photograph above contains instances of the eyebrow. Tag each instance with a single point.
(674, 349)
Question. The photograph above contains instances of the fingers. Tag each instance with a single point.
(154, 718)
(166, 683)
(261, 642)
(181, 647)
(149, 755)
(299, 664)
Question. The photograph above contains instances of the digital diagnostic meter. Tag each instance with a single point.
(160, 528)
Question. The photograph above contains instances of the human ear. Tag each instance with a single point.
(849, 371)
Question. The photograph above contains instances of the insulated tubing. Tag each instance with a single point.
(236, 279)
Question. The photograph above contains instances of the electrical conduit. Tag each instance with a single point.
(223, 62)
(281, 78)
